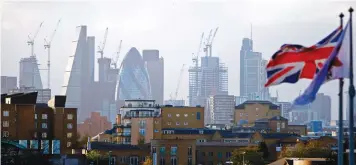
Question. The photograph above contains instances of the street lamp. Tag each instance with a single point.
(109, 157)
(243, 158)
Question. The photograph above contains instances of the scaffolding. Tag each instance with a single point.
(207, 80)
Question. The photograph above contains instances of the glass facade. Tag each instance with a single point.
(134, 80)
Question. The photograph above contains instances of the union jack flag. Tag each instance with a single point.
(293, 62)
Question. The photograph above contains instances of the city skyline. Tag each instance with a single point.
(225, 47)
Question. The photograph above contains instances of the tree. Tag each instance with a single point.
(262, 147)
(93, 155)
(141, 141)
(148, 161)
(248, 156)
(81, 141)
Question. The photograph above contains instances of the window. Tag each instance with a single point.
(169, 115)
(153, 149)
(142, 132)
(162, 150)
(190, 161)
(220, 155)
(35, 134)
(35, 124)
(189, 151)
(168, 123)
(69, 144)
(177, 115)
(5, 134)
(211, 154)
(177, 123)
(36, 116)
(198, 115)
(69, 126)
(113, 160)
(201, 131)
(283, 125)
(156, 122)
(202, 153)
(278, 127)
(142, 123)
(133, 160)
(173, 150)
(5, 113)
(185, 123)
(5, 123)
(69, 135)
(185, 115)
(44, 135)
(70, 116)
(173, 161)
(241, 114)
(44, 125)
(228, 155)
(163, 161)
(44, 116)
(156, 131)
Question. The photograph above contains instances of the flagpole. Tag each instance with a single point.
(351, 102)
(340, 152)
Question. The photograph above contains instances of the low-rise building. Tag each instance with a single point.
(31, 124)
(252, 110)
(93, 125)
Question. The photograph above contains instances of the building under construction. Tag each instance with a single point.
(208, 78)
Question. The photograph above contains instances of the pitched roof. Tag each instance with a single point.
(113, 146)
(278, 135)
(229, 134)
(263, 120)
(185, 131)
(271, 105)
(279, 118)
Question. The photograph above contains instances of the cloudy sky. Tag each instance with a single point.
(173, 27)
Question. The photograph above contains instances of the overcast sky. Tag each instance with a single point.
(174, 28)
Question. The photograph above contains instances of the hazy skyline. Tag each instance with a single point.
(172, 27)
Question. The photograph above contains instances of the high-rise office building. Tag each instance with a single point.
(285, 108)
(219, 109)
(174, 102)
(43, 95)
(8, 83)
(79, 73)
(322, 106)
(240, 99)
(252, 72)
(155, 68)
(134, 82)
(210, 78)
(29, 73)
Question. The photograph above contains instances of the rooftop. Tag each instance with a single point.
(271, 105)
(185, 131)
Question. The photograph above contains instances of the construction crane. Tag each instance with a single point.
(179, 80)
(196, 57)
(102, 47)
(209, 42)
(31, 40)
(115, 59)
(47, 46)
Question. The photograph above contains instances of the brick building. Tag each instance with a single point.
(94, 125)
(50, 126)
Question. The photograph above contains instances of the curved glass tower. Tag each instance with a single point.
(134, 82)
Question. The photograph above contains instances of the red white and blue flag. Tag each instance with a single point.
(294, 62)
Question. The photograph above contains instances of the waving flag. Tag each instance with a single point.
(294, 62)
(329, 71)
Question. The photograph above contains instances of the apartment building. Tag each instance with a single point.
(50, 126)
(252, 110)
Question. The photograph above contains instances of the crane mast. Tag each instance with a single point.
(115, 59)
(102, 47)
(47, 46)
(31, 40)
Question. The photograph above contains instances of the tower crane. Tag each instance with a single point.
(31, 40)
(47, 46)
(102, 47)
(179, 80)
(209, 42)
(115, 59)
(206, 49)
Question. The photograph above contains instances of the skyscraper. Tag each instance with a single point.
(211, 78)
(252, 72)
(155, 68)
(29, 73)
(322, 106)
(134, 82)
(79, 73)
(8, 83)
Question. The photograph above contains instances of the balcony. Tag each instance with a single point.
(126, 125)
